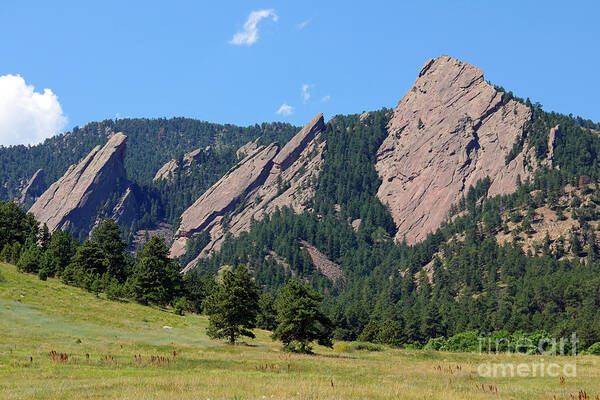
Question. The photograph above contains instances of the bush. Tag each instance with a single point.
(6, 253)
(2, 277)
(370, 332)
(43, 274)
(30, 260)
(390, 333)
(464, 341)
(363, 346)
(594, 349)
(114, 290)
(181, 306)
(435, 343)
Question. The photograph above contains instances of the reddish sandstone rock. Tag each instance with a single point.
(73, 201)
(450, 130)
(268, 179)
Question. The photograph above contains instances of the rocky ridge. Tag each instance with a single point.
(450, 130)
(73, 202)
(267, 179)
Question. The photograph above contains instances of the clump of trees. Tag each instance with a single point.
(101, 264)
(235, 307)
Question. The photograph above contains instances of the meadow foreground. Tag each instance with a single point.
(60, 342)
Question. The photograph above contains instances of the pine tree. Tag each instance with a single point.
(87, 265)
(233, 307)
(108, 237)
(370, 332)
(61, 249)
(44, 237)
(267, 316)
(156, 278)
(300, 321)
(30, 259)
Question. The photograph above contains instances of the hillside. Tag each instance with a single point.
(430, 217)
(37, 318)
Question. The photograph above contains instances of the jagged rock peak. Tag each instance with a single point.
(450, 130)
(265, 180)
(73, 200)
(292, 149)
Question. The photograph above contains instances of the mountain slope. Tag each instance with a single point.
(267, 179)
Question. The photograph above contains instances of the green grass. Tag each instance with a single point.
(38, 317)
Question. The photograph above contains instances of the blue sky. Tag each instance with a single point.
(176, 58)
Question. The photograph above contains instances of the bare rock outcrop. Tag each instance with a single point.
(324, 265)
(450, 130)
(265, 180)
(34, 188)
(172, 167)
(247, 149)
(73, 201)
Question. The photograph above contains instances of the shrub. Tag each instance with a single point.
(464, 341)
(435, 343)
(114, 290)
(181, 306)
(390, 333)
(363, 346)
(30, 259)
(43, 274)
(370, 332)
(594, 349)
(6, 253)
(2, 277)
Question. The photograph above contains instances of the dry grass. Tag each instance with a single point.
(59, 342)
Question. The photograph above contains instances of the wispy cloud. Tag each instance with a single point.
(303, 24)
(249, 35)
(285, 110)
(325, 98)
(305, 93)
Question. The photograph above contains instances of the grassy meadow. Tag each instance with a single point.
(60, 342)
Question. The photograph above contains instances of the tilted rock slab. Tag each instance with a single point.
(450, 130)
(73, 201)
(265, 180)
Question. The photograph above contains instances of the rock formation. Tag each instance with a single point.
(266, 179)
(247, 149)
(73, 202)
(450, 130)
(34, 188)
(172, 167)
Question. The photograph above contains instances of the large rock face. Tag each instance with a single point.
(74, 200)
(266, 179)
(449, 131)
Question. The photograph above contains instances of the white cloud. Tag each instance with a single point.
(27, 116)
(305, 92)
(249, 35)
(303, 24)
(326, 98)
(285, 109)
